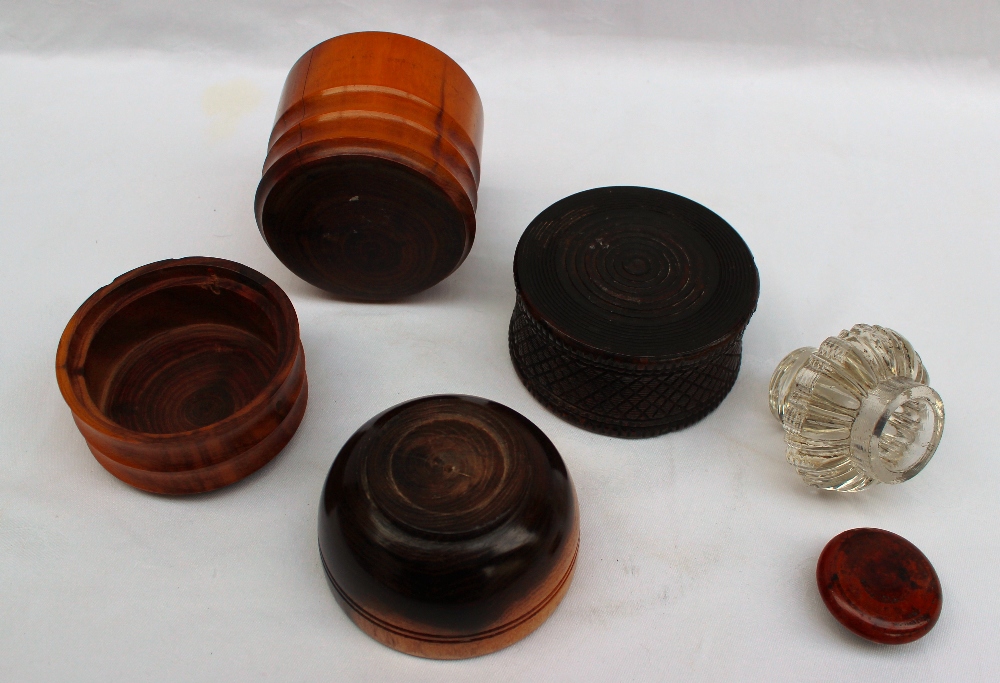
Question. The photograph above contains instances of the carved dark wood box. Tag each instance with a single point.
(630, 311)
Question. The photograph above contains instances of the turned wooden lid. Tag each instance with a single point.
(184, 375)
(448, 527)
(631, 308)
(370, 184)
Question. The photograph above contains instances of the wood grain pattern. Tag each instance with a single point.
(630, 311)
(448, 527)
(879, 585)
(370, 183)
(184, 375)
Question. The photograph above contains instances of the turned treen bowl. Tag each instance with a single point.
(448, 527)
(370, 183)
(184, 375)
(630, 311)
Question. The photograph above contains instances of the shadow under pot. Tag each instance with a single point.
(184, 375)
(448, 527)
(630, 311)
(370, 183)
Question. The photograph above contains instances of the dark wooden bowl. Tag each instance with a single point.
(372, 172)
(184, 375)
(448, 527)
(630, 311)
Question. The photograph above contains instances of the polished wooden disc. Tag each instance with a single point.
(184, 375)
(448, 527)
(879, 585)
(631, 307)
(364, 228)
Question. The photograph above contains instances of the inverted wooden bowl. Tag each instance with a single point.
(448, 527)
(372, 172)
(630, 311)
(184, 375)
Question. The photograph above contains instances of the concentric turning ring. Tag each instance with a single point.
(442, 470)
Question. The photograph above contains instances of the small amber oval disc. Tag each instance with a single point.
(879, 585)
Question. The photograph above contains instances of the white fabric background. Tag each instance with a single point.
(853, 145)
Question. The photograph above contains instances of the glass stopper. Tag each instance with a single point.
(857, 410)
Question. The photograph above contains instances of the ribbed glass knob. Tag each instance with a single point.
(857, 410)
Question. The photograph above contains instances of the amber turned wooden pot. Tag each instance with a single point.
(370, 181)
(630, 311)
(184, 375)
(448, 527)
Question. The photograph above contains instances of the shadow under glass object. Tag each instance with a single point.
(448, 527)
(370, 184)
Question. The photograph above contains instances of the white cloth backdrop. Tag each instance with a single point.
(853, 145)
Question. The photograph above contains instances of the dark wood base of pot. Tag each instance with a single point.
(618, 399)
